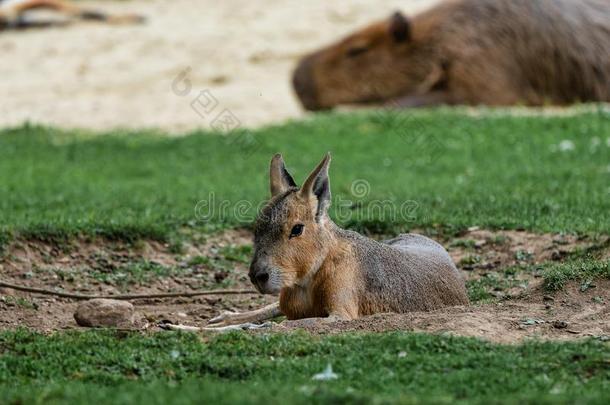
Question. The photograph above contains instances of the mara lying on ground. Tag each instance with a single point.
(324, 273)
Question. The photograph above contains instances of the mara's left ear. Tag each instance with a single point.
(318, 185)
(279, 178)
(400, 27)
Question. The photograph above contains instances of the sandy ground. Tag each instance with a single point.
(94, 76)
(519, 309)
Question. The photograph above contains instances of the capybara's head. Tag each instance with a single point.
(291, 236)
(374, 64)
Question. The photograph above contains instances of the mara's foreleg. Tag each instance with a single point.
(220, 329)
(258, 315)
(228, 321)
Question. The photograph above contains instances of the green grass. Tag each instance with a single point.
(443, 169)
(483, 288)
(583, 271)
(111, 367)
(140, 272)
(451, 170)
(555, 276)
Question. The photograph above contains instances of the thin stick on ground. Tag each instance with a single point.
(76, 296)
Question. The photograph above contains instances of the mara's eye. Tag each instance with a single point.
(356, 50)
(297, 230)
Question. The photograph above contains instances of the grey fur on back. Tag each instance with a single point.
(408, 273)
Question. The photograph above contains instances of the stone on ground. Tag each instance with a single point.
(101, 312)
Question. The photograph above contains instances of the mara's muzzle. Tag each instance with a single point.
(259, 276)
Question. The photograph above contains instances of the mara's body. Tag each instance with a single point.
(492, 52)
(361, 276)
(320, 270)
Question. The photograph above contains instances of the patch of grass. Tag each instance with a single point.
(498, 240)
(5, 239)
(469, 260)
(491, 285)
(241, 254)
(524, 256)
(595, 249)
(423, 169)
(141, 272)
(112, 367)
(12, 301)
(583, 271)
(222, 263)
(198, 261)
(464, 243)
(177, 246)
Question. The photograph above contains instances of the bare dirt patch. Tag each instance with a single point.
(568, 315)
(514, 306)
(104, 267)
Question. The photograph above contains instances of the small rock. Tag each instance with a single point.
(560, 324)
(219, 276)
(548, 298)
(556, 255)
(532, 321)
(101, 312)
(212, 301)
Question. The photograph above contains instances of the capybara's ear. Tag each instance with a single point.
(279, 178)
(400, 27)
(318, 185)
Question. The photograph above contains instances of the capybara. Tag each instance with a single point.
(490, 52)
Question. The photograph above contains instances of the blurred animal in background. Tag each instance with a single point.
(492, 52)
(14, 13)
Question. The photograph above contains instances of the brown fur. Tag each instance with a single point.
(326, 271)
(492, 52)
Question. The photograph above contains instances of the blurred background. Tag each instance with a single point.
(98, 76)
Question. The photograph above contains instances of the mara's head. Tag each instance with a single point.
(377, 63)
(293, 231)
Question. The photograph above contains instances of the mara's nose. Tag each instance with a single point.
(262, 277)
(258, 273)
(304, 84)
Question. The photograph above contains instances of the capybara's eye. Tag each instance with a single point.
(297, 230)
(356, 50)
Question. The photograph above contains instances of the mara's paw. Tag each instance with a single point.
(225, 318)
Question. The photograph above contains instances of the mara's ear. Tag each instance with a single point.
(400, 27)
(318, 185)
(279, 178)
